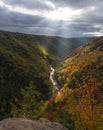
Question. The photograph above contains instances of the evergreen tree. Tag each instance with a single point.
(30, 105)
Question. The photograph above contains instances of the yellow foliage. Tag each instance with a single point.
(58, 97)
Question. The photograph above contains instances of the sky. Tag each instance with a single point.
(65, 18)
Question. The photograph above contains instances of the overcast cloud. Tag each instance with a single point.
(66, 18)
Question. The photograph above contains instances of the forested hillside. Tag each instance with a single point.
(55, 46)
(21, 62)
(79, 103)
(25, 59)
(25, 86)
(85, 61)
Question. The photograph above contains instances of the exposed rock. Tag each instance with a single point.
(24, 124)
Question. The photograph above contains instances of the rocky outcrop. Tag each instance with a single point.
(24, 124)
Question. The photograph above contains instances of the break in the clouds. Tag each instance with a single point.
(66, 18)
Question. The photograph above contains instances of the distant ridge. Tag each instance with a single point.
(55, 45)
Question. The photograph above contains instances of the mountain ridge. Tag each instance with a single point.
(57, 46)
(47, 35)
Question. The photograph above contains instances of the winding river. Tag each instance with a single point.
(55, 84)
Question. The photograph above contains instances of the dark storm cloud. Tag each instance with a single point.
(39, 4)
(84, 24)
(77, 3)
(8, 18)
(29, 4)
(19, 22)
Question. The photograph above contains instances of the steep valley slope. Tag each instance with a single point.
(79, 103)
(25, 86)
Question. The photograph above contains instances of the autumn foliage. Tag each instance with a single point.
(81, 78)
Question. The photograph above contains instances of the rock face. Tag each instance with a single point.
(23, 124)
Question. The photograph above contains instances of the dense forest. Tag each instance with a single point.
(25, 87)
(21, 62)
(24, 59)
(79, 104)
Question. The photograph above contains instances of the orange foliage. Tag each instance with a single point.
(52, 99)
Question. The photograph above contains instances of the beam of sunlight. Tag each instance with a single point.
(63, 14)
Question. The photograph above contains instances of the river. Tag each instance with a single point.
(55, 84)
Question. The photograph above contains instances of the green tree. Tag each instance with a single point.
(30, 105)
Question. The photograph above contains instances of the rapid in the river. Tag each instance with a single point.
(55, 84)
